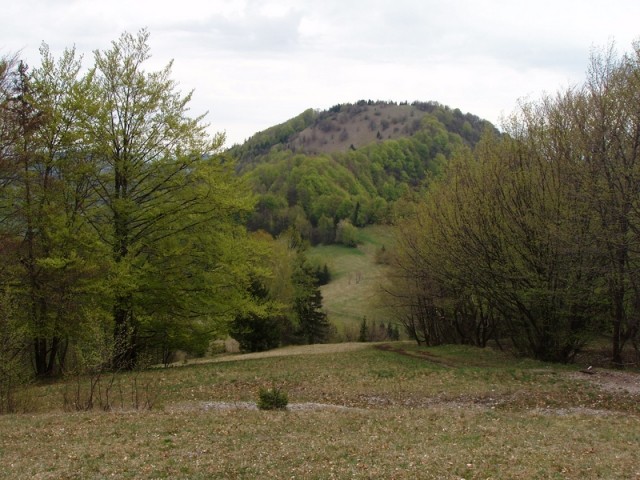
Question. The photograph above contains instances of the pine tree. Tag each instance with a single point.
(313, 323)
(364, 331)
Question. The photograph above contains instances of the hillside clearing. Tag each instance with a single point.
(316, 349)
(356, 281)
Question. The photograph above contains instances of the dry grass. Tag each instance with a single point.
(455, 413)
(318, 349)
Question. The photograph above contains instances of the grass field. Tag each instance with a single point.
(356, 278)
(357, 411)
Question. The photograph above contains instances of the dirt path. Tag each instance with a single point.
(430, 357)
(317, 349)
(614, 381)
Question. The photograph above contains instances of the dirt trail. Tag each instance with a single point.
(317, 349)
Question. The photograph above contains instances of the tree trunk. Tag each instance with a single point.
(125, 343)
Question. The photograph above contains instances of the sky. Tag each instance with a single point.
(256, 63)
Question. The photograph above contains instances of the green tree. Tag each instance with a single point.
(171, 207)
(500, 248)
(363, 336)
(605, 124)
(346, 234)
(313, 324)
(42, 204)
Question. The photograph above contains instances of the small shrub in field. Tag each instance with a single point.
(272, 399)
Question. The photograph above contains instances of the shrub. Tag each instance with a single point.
(272, 399)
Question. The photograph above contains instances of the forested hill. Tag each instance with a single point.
(323, 172)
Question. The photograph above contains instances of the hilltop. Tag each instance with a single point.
(349, 126)
(350, 163)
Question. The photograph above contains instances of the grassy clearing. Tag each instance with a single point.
(355, 287)
(449, 412)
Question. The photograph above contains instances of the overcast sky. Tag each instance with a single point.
(256, 63)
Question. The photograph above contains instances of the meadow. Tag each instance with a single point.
(356, 280)
(356, 411)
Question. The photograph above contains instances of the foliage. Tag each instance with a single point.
(529, 237)
(14, 361)
(364, 331)
(313, 324)
(346, 234)
(313, 190)
(52, 254)
(272, 399)
(116, 205)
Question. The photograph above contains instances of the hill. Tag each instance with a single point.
(353, 126)
(352, 162)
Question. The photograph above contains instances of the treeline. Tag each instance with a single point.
(322, 194)
(123, 225)
(532, 238)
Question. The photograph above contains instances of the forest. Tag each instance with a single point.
(127, 232)
(309, 174)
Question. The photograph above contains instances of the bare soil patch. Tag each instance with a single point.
(295, 407)
(428, 356)
(611, 380)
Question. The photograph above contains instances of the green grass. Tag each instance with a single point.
(355, 287)
(446, 412)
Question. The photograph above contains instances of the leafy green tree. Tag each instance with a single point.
(605, 125)
(499, 249)
(346, 234)
(171, 206)
(325, 231)
(363, 336)
(43, 202)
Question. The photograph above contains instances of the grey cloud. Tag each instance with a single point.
(245, 35)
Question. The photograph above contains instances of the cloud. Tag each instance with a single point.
(254, 63)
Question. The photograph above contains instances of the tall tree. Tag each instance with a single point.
(42, 205)
(606, 115)
(171, 205)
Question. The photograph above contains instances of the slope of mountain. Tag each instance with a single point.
(350, 164)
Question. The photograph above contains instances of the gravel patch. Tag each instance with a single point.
(222, 406)
(611, 380)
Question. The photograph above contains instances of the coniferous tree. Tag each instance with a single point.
(313, 324)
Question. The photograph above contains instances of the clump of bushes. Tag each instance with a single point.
(272, 399)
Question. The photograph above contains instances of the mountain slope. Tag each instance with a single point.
(350, 163)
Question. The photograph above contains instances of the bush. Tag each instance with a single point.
(272, 399)
(346, 233)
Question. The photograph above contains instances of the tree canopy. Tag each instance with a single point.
(118, 212)
(532, 236)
